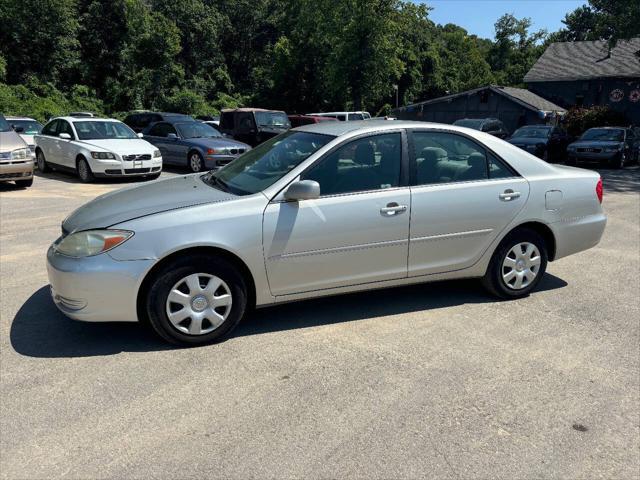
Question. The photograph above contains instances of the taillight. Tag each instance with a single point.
(599, 190)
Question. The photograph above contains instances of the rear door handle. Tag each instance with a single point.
(393, 209)
(509, 195)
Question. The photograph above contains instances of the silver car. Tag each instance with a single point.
(323, 209)
(16, 162)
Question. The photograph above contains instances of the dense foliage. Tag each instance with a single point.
(197, 56)
(577, 120)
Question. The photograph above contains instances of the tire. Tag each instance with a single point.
(546, 156)
(501, 278)
(84, 171)
(215, 321)
(43, 166)
(24, 183)
(619, 161)
(195, 162)
(571, 161)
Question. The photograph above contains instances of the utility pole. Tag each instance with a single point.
(395, 87)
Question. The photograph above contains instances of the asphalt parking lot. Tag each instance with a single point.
(435, 380)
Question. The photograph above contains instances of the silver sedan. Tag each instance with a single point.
(321, 210)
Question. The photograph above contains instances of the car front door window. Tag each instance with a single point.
(365, 164)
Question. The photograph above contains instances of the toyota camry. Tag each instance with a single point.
(321, 210)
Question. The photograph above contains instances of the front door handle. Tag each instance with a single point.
(393, 209)
(509, 195)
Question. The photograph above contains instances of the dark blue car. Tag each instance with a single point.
(609, 146)
(195, 145)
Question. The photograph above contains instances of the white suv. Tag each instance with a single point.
(95, 147)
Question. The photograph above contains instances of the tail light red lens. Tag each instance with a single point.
(599, 190)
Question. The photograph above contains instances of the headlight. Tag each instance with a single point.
(612, 149)
(91, 242)
(20, 154)
(103, 155)
(157, 153)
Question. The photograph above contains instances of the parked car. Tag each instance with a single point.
(95, 147)
(492, 126)
(344, 116)
(324, 209)
(26, 127)
(299, 120)
(544, 141)
(253, 125)
(16, 162)
(608, 146)
(215, 119)
(83, 114)
(138, 121)
(195, 145)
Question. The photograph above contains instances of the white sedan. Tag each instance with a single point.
(95, 147)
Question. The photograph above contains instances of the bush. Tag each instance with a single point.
(577, 120)
(43, 101)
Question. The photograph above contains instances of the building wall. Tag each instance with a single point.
(619, 94)
(482, 104)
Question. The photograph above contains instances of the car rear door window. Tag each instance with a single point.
(442, 157)
(365, 164)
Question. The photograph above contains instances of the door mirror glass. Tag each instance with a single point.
(303, 190)
(65, 136)
(172, 136)
(140, 134)
(18, 129)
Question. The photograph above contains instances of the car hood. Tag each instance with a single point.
(527, 141)
(121, 147)
(11, 141)
(139, 201)
(29, 140)
(217, 142)
(595, 144)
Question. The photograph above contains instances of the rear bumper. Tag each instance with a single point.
(575, 235)
(16, 171)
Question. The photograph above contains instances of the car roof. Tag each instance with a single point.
(85, 119)
(21, 118)
(249, 109)
(607, 128)
(366, 126)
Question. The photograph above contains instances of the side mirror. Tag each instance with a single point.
(18, 129)
(65, 136)
(172, 136)
(303, 190)
(140, 135)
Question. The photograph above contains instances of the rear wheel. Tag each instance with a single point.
(517, 265)
(24, 183)
(84, 171)
(43, 166)
(196, 300)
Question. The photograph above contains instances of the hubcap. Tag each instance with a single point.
(196, 164)
(198, 304)
(521, 265)
(82, 170)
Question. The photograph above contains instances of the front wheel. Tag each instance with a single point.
(196, 163)
(24, 183)
(43, 166)
(619, 161)
(517, 265)
(196, 300)
(84, 171)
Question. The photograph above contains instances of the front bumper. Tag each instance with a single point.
(122, 168)
(96, 289)
(593, 156)
(214, 162)
(16, 170)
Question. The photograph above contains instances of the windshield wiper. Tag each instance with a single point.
(216, 182)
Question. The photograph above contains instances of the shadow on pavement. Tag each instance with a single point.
(626, 180)
(40, 330)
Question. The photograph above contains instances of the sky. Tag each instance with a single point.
(479, 16)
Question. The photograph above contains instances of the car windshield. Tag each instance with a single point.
(4, 125)
(606, 134)
(272, 119)
(267, 163)
(469, 123)
(197, 130)
(532, 132)
(29, 127)
(96, 130)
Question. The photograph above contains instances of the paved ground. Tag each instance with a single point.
(431, 381)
